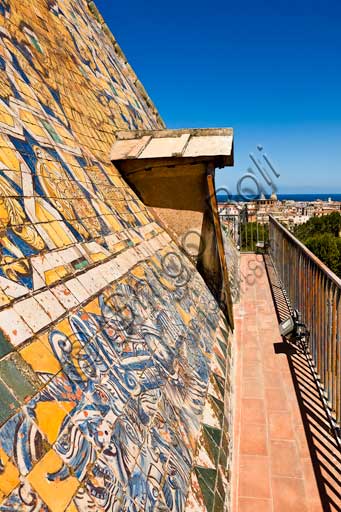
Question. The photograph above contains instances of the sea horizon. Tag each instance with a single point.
(285, 197)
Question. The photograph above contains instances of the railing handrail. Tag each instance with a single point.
(315, 291)
(331, 275)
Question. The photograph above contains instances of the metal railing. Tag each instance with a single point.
(315, 291)
(253, 236)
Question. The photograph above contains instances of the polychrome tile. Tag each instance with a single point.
(32, 314)
(50, 304)
(53, 482)
(41, 359)
(122, 381)
(19, 378)
(8, 403)
(82, 502)
(22, 499)
(5, 346)
(76, 289)
(13, 327)
(65, 296)
(9, 474)
(195, 501)
(21, 440)
(52, 405)
(206, 479)
(75, 450)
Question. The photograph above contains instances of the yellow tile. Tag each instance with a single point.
(98, 256)
(3, 298)
(64, 327)
(6, 118)
(139, 272)
(93, 307)
(8, 156)
(56, 494)
(56, 274)
(40, 357)
(50, 416)
(186, 317)
(72, 508)
(9, 477)
(27, 117)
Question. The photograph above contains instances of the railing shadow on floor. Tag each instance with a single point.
(323, 447)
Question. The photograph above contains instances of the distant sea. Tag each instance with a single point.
(288, 197)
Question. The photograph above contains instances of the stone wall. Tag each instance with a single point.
(115, 359)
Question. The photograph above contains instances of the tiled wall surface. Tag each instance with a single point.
(114, 357)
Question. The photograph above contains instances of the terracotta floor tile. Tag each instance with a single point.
(253, 388)
(254, 476)
(253, 439)
(275, 400)
(253, 410)
(252, 370)
(302, 444)
(269, 419)
(284, 459)
(280, 425)
(272, 379)
(295, 413)
(289, 495)
(251, 355)
(254, 505)
(311, 488)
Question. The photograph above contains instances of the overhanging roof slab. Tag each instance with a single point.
(208, 144)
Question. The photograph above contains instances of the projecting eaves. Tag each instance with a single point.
(172, 171)
(203, 144)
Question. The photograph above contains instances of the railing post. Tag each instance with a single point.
(316, 292)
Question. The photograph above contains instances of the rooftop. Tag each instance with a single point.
(286, 457)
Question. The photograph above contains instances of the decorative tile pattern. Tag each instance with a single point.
(114, 374)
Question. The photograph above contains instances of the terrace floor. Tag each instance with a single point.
(285, 456)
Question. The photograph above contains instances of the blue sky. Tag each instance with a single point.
(271, 70)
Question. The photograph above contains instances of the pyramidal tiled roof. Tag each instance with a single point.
(108, 368)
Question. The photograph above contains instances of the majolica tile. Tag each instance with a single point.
(5, 346)
(9, 475)
(223, 346)
(82, 502)
(208, 445)
(195, 501)
(118, 387)
(19, 377)
(103, 488)
(39, 356)
(8, 403)
(21, 440)
(50, 408)
(206, 479)
(50, 304)
(214, 388)
(212, 414)
(219, 503)
(32, 314)
(75, 450)
(53, 482)
(65, 296)
(13, 327)
(22, 499)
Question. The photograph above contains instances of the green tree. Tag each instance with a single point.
(322, 236)
(326, 224)
(326, 247)
(251, 233)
